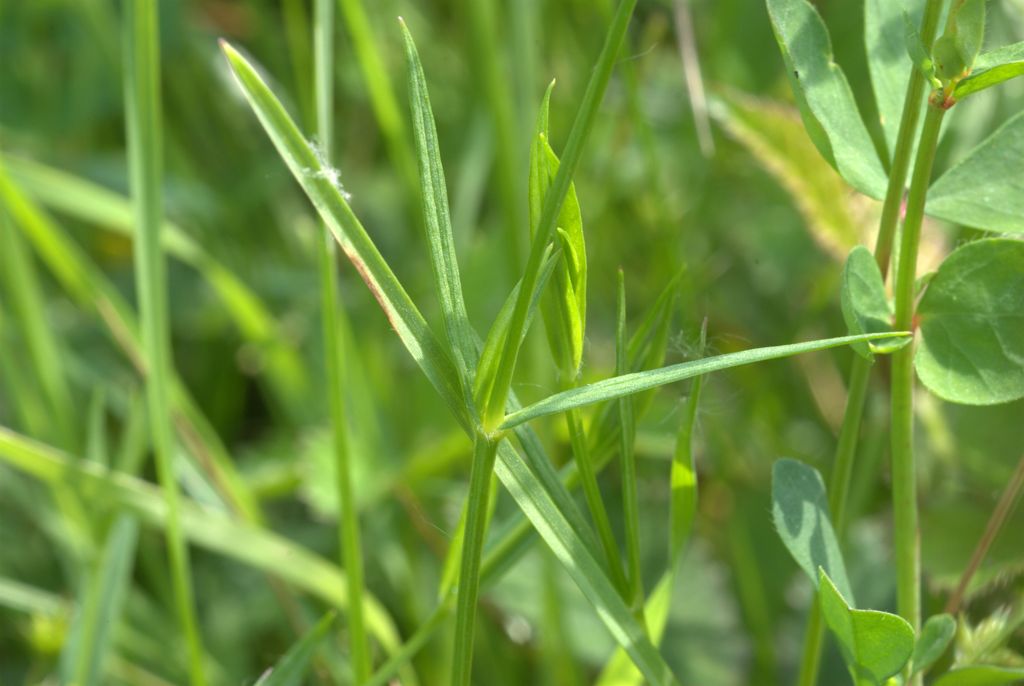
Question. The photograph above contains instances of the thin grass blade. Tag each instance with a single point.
(291, 669)
(636, 382)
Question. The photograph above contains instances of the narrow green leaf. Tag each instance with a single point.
(876, 645)
(932, 642)
(864, 303)
(885, 42)
(981, 675)
(986, 189)
(627, 454)
(636, 382)
(91, 633)
(972, 325)
(683, 474)
(440, 238)
(291, 669)
(992, 68)
(620, 670)
(329, 200)
(801, 516)
(826, 102)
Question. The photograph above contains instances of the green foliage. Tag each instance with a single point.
(826, 102)
(291, 669)
(800, 513)
(991, 69)
(874, 644)
(983, 190)
(935, 637)
(864, 303)
(886, 25)
(972, 328)
(981, 675)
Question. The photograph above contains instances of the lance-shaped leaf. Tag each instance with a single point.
(955, 51)
(972, 325)
(865, 306)
(800, 513)
(826, 102)
(291, 669)
(992, 68)
(932, 642)
(875, 645)
(627, 384)
(565, 309)
(986, 189)
(440, 238)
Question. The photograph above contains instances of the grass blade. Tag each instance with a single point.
(348, 525)
(447, 281)
(143, 119)
(636, 382)
(357, 245)
(91, 634)
(291, 669)
(630, 505)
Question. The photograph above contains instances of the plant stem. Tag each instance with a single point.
(142, 116)
(904, 485)
(995, 524)
(484, 452)
(348, 528)
(630, 506)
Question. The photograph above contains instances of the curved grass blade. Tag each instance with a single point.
(636, 382)
(256, 547)
(94, 204)
(291, 669)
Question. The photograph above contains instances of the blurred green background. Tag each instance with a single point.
(759, 234)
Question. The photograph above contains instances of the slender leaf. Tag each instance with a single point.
(636, 382)
(992, 68)
(935, 637)
(826, 102)
(440, 238)
(801, 516)
(985, 190)
(972, 325)
(291, 669)
(876, 645)
(91, 633)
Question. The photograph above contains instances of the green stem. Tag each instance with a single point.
(484, 453)
(630, 505)
(142, 116)
(904, 485)
(348, 529)
(861, 368)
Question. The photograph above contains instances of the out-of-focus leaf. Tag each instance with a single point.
(291, 669)
(865, 306)
(992, 68)
(972, 325)
(875, 645)
(886, 47)
(933, 640)
(800, 512)
(981, 675)
(826, 102)
(774, 135)
(986, 189)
